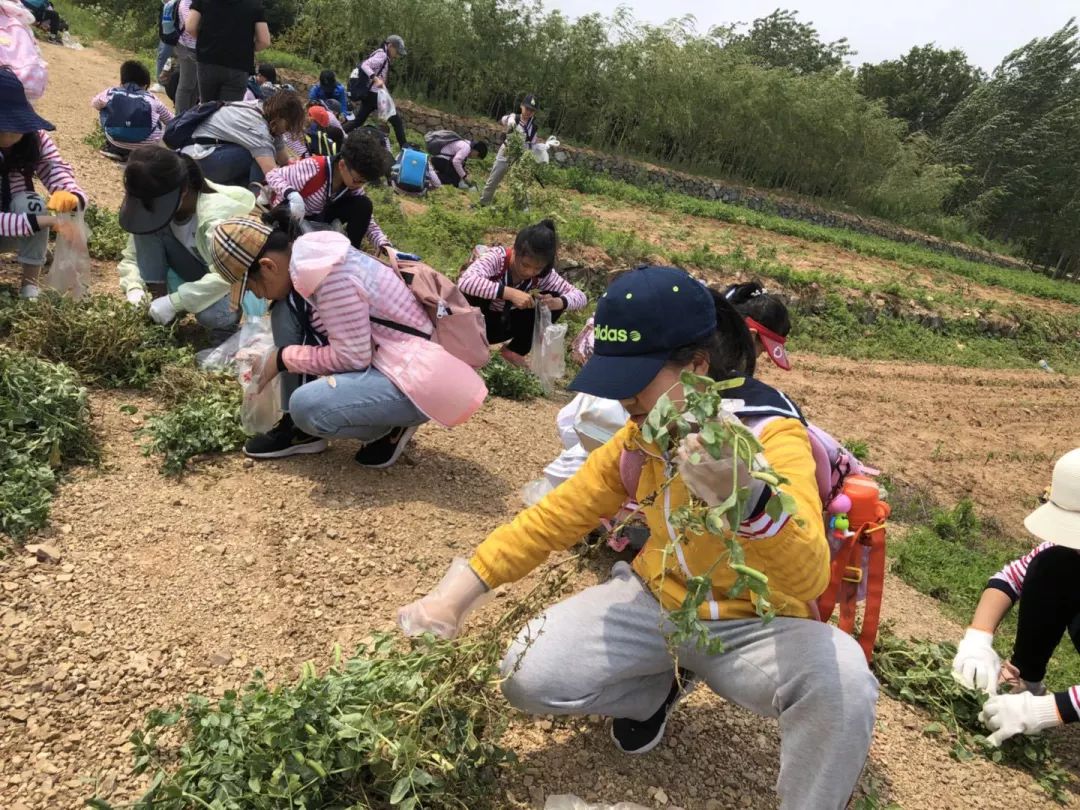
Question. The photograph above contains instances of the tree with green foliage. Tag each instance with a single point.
(782, 40)
(1018, 137)
(923, 86)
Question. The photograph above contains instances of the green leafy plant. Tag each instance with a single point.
(920, 673)
(204, 418)
(44, 424)
(510, 382)
(104, 339)
(525, 179)
(107, 238)
(858, 448)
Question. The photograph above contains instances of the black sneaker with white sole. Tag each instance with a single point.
(283, 439)
(382, 453)
(633, 737)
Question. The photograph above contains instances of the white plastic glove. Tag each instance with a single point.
(135, 296)
(463, 185)
(976, 665)
(443, 611)
(296, 205)
(710, 479)
(162, 310)
(1009, 715)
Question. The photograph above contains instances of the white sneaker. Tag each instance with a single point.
(156, 88)
(29, 292)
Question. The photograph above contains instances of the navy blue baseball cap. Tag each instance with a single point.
(642, 319)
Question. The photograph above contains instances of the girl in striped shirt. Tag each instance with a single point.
(327, 190)
(134, 84)
(369, 77)
(507, 285)
(1044, 582)
(27, 150)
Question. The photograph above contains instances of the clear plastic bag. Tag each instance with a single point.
(386, 108)
(541, 152)
(221, 356)
(568, 801)
(548, 356)
(70, 268)
(260, 410)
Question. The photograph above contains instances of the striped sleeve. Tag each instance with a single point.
(55, 172)
(18, 224)
(483, 278)
(1010, 579)
(557, 285)
(345, 317)
(163, 113)
(1068, 704)
(293, 178)
(99, 101)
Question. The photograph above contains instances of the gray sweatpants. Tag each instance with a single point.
(498, 172)
(187, 89)
(603, 651)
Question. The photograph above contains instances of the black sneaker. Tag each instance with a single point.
(382, 453)
(113, 153)
(632, 737)
(284, 439)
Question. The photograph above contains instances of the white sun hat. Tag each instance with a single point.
(1058, 520)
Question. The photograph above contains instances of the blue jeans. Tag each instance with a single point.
(32, 249)
(162, 259)
(362, 405)
(163, 53)
(231, 165)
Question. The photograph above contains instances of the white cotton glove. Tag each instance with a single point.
(443, 611)
(135, 296)
(296, 205)
(162, 310)
(976, 665)
(1009, 715)
(709, 479)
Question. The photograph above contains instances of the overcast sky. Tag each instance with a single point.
(878, 29)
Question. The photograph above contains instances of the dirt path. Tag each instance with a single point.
(167, 587)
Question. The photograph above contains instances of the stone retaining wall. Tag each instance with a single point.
(425, 119)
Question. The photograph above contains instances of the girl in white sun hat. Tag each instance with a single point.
(1044, 583)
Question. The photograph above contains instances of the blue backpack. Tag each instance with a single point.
(170, 23)
(126, 117)
(412, 171)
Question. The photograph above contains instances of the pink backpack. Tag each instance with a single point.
(19, 50)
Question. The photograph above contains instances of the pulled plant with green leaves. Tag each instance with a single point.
(526, 175)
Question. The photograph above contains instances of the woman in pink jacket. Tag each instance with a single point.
(352, 341)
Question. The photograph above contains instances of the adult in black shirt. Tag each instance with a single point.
(228, 34)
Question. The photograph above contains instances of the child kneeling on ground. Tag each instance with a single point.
(131, 115)
(508, 285)
(346, 334)
(1044, 583)
(606, 650)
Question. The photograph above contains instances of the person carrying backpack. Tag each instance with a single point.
(331, 190)
(26, 151)
(130, 115)
(263, 84)
(525, 124)
(169, 210)
(368, 78)
(449, 152)
(329, 89)
(1043, 585)
(324, 135)
(45, 14)
(604, 650)
(170, 29)
(508, 285)
(352, 343)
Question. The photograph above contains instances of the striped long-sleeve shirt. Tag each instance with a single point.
(186, 39)
(55, 174)
(489, 276)
(1010, 581)
(377, 66)
(296, 177)
(160, 115)
(349, 297)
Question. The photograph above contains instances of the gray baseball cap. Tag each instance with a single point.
(397, 42)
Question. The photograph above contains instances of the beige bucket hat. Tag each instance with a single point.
(1058, 520)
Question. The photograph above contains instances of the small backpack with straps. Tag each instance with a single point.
(181, 130)
(127, 116)
(439, 139)
(170, 23)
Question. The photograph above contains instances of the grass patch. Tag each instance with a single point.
(952, 558)
(44, 425)
(108, 342)
(283, 60)
(107, 239)
(510, 382)
(858, 448)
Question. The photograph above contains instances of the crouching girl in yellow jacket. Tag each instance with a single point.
(605, 650)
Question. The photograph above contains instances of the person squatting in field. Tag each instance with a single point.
(322, 191)
(132, 93)
(346, 330)
(605, 650)
(169, 210)
(1044, 584)
(26, 151)
(448, 160)
(508, 284)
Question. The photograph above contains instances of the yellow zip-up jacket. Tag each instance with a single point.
(792, 551)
